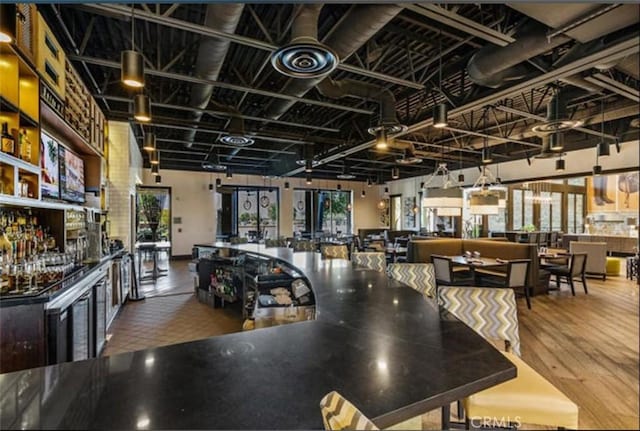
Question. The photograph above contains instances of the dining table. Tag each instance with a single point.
(395, 252)
(475, 263)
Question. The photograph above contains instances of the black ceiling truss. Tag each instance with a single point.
(407, 56)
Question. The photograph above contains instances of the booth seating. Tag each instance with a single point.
(334, 251)
(420, 251)
(596, 256)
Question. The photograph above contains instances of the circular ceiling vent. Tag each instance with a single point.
(390, 129)
(237, 140)
(408, 158)
(346, 176)
(208, 166)
(302, 162)
(304, 60)
(555, 126)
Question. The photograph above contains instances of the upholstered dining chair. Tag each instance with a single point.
(445, 275)
(340, 414)
(304, 245)
(419, 276)
(575, 269)
(529, 398)
(515, 278)
(370, 259)
(280, 242)
(330, 251)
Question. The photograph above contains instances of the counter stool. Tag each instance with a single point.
(613, 266)
(632, 267)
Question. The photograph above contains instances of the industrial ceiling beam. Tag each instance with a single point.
(219, 113)
(234, 87)
(220, 145)
(615, 86)
(461, 23)
(614, 52)
(125, 13)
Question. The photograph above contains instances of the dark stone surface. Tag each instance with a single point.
(380, 344)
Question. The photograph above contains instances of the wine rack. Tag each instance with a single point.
(77, 106)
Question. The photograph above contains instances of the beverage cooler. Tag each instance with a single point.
(76, 320)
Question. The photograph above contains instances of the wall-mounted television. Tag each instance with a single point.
(71, 176)
(50, 184)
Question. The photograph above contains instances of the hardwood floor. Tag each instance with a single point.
(586, 345)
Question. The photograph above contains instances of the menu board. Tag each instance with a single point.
(50, 186)
(71, 176)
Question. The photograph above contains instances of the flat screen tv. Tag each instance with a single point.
(71, 176)
(50, 184)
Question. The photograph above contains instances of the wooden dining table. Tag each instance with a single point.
(474, 263)
(394, 252)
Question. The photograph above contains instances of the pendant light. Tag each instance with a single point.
(155, 170)
(218, 182)
(158, 179)
(486, 153)
(603, 146)
(395, 173)
(556, 142)
(132, 64)
(286, 185)
(142, 108)
(363, 194)
(339, 187)
(7, 22)
(440, 110)
(308, 166)
(308, 179)
(381, 140)
(149, 142)
(369, 182)
(154, 158)
(229, 173)
(560, 165)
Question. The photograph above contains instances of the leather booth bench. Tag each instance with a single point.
(420, 251)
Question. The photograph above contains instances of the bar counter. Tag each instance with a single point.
(379, 343)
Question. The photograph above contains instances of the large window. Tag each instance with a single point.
(396, 212)
(575, 211)
(249, 212)
(153, 214)
(318, 213)
(516, 204)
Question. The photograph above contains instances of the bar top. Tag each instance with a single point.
(379, 343)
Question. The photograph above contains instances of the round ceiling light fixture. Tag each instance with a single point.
(409, 158)
(389, 129)
(237, 140)
(305, 60)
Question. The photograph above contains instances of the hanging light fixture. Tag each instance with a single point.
(308, 165)
(363, 194)
(369, 182)
(597, 170)
(483, 204)
(339, 186)
(440, 114)
(155, 170)
(142, 108)
(149, 142)
(346, 173)
(381, 140)
(8, 14)
(560, 165)
(395, 173)
(154, 158)
(603, 149)
(556, 142)
(486, 155)
(131, 61)
(158, 179)
(308, 179)
(218, 182)
(229, 173)
(286, 185)
(447, 196)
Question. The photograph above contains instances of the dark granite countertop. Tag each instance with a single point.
(379, 343)
(57, 288)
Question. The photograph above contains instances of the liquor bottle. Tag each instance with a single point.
(25, 146)
(8, 142)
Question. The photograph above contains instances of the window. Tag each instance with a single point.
(153, 214)
(556, 211)
(575, 211)
(516, 205)
(321, 212)
(396, 212)
(528, 208)
(545, 211)
(498, 222)
(248, 212)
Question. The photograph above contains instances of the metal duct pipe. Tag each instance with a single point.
(363, 90)
(360, 24)
(492, 66)
(211, 55)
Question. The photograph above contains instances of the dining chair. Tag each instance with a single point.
(529, 398)
(533, 238)
(446, 276)
(304, 245)
(370, 259)
(515, 278)
(419, 276)
(331, 251)
(338, 413)
(575, 269)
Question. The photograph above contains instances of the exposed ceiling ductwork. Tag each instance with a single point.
(304, 56)
(236, 134)
(364, 90)
(494, 66)
(211, 55)
(360, 24)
